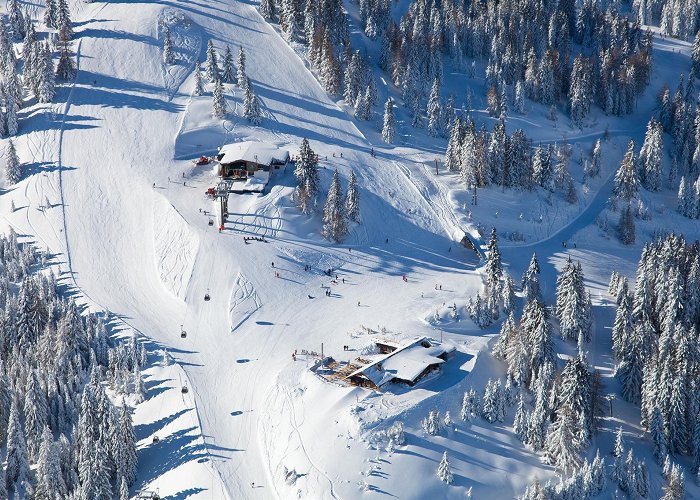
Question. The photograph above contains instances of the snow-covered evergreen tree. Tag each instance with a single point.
(471, 406)
(434, 110)
(125, 458)
(46, 84)
(50, 484)
(626, 181)
(305, 168)
(198, 83)
(650, 156)
(63, 19)
(334, 219)
(212, 63)
(13, 168)
(65, 69)
(17, 461)
(50, 13)
(389, 128)
(240, 70)
(352, 199)
(573, 308)
(561, 447)
(218, 100)
(227, 67)
(494, 266)
(443, 470)
(626, 228)
(251, 105)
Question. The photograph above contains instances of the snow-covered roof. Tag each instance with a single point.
(262, 153)
(405, 363)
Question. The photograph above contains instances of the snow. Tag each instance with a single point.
(149, 256)
(175, 245)
(253, 151)
(406, 363)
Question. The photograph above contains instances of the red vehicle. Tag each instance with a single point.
(203, 160)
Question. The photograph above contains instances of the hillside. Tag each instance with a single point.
(111, 190)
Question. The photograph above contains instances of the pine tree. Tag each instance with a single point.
(334, 221)
(650, 156)
(561, 448)
(50, 484)
(531, 280)
(63, 20)
(389, 128)
(123, 489)
(50, 13)
(470, 406)
(520, 421)
(443, 470)
(66, 67)
(658, 436)
(626, 229)
(240, 70)
(218, 102)
(572, 306)
(434, 110)
(198, 83)
(13, 169)
(17, 462)
(695, 56)
(267, 9)
(16, 20)
(626, 182)
(494, 266)
(675, 489)
(227, 64)
(352, 199)
(508, 294)
(431, 424)
(35, 415)
(212, 64)
(46, 79)
(168, 55)
(251, 105)
(125, 446)
(305, 166)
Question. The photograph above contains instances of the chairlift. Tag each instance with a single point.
(185, 390)
(183, 334)
(206, 295)
(155, 439)
(211, 222)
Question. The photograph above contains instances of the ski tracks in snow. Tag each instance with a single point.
(187, 43)
(244, 301)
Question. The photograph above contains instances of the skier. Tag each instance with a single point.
(154, 185)
(273, 264)
(358, 303)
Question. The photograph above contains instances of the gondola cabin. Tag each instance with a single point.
(241, 160)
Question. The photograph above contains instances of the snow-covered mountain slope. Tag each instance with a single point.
(125, 213)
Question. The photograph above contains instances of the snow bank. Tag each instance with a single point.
(175, 245)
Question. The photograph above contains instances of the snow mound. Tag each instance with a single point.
(187, 43)
(244, 301)
(175, 245)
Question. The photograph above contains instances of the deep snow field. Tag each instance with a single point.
(148, 256)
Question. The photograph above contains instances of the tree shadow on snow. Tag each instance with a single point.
(142, 431)
(181, 495)
(169, 453)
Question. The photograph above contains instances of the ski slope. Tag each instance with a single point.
(148, 255)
